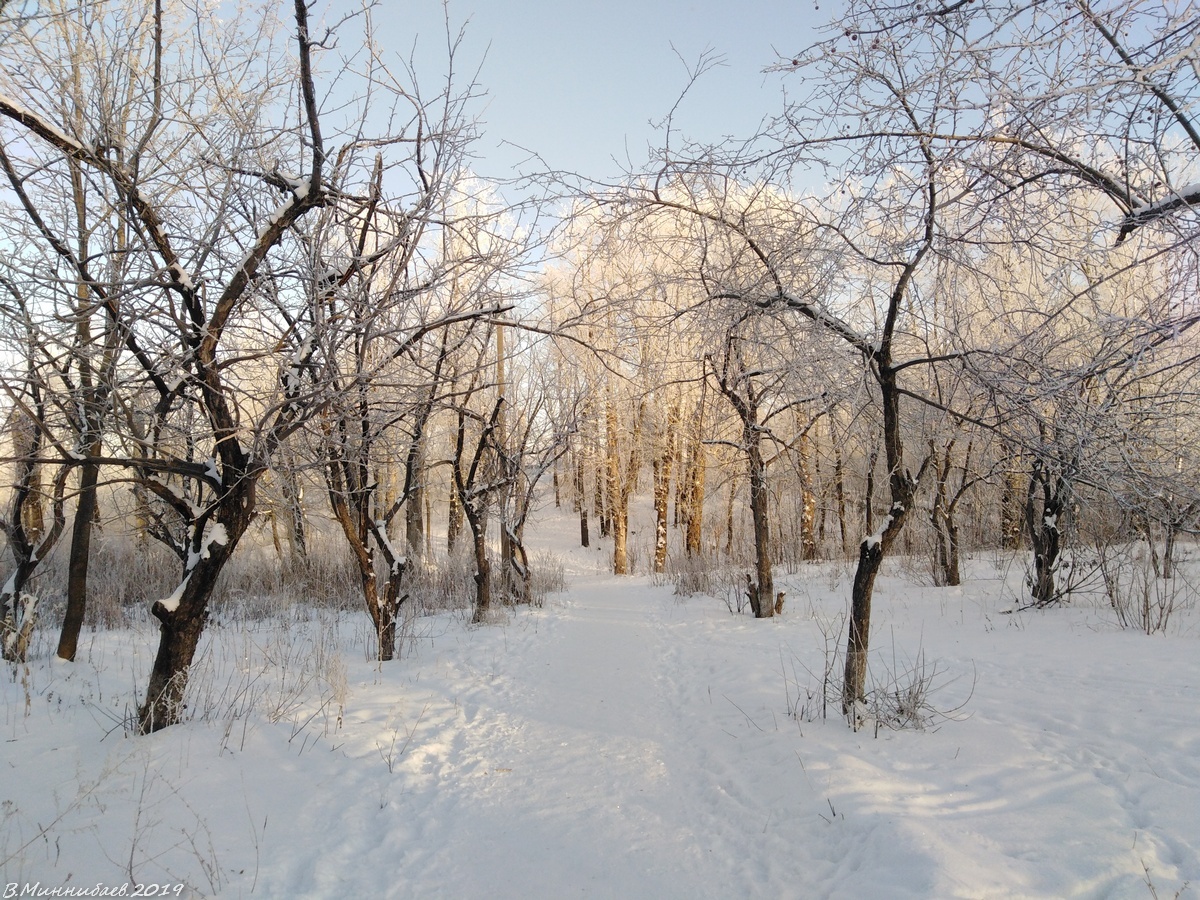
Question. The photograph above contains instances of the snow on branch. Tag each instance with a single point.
(1186, 196)
(43, 129)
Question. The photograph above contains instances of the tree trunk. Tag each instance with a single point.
(808, 505)
(519, 563)
(731, 494)
(620, 536)
(945, 561)
(85, 505)
(598, 508)
(29, 547)
(1168, 562)
(1045, 532)
(178, 637)
(581, 501)
(293, 498)
(762, 591)
(839, 486)
(870, 558)
(182, 617)
(695, 495)
(875, 546)
(483, 573)
(612, 473)
(414, 503)
(662, 497)
(77, 566)
(384, 609)
(454, 509)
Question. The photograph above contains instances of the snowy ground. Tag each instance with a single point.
(623, 742)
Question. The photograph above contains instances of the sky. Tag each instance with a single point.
(581, 83)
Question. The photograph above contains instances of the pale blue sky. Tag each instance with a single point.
(579, 82)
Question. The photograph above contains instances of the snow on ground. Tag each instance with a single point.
(622, 742)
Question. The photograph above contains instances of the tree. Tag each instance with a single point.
(478, 468)
(1081, 112)
(384, 330)
(546, 417)
(30, 537)
(214, 155)
(1098, 97)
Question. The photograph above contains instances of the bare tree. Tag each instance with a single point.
(1094, 95)
(30, 536)
(213, 182)
(376, 320)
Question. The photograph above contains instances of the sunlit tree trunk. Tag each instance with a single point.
(662, 488)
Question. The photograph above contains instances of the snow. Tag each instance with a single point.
(211, 472)
(214, 533)
(277, 215)
(399, 560)
(48, 130)
(196, 509)
(875, 539)
(1189, 193)
(171, 602)
(623, 742)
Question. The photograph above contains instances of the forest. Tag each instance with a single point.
(269, 342)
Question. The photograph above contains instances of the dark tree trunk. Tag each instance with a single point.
(454, 509)
(183, 617)
(694, 530)
(581, 501)
(29, 543)
(384, 608)
(414, 503)
(1045, 531)
(77, 566)
(762, 591)
(1168, 560)
(483, 570)
(875, 546)
(178, 638)
(839, 484)
(947, 571)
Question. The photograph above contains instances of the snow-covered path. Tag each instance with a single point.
(604, 748)
(564, 757)
(585, 739)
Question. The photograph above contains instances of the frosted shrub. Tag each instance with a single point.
(547, 576)
(1136, 589)
(690, 575)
